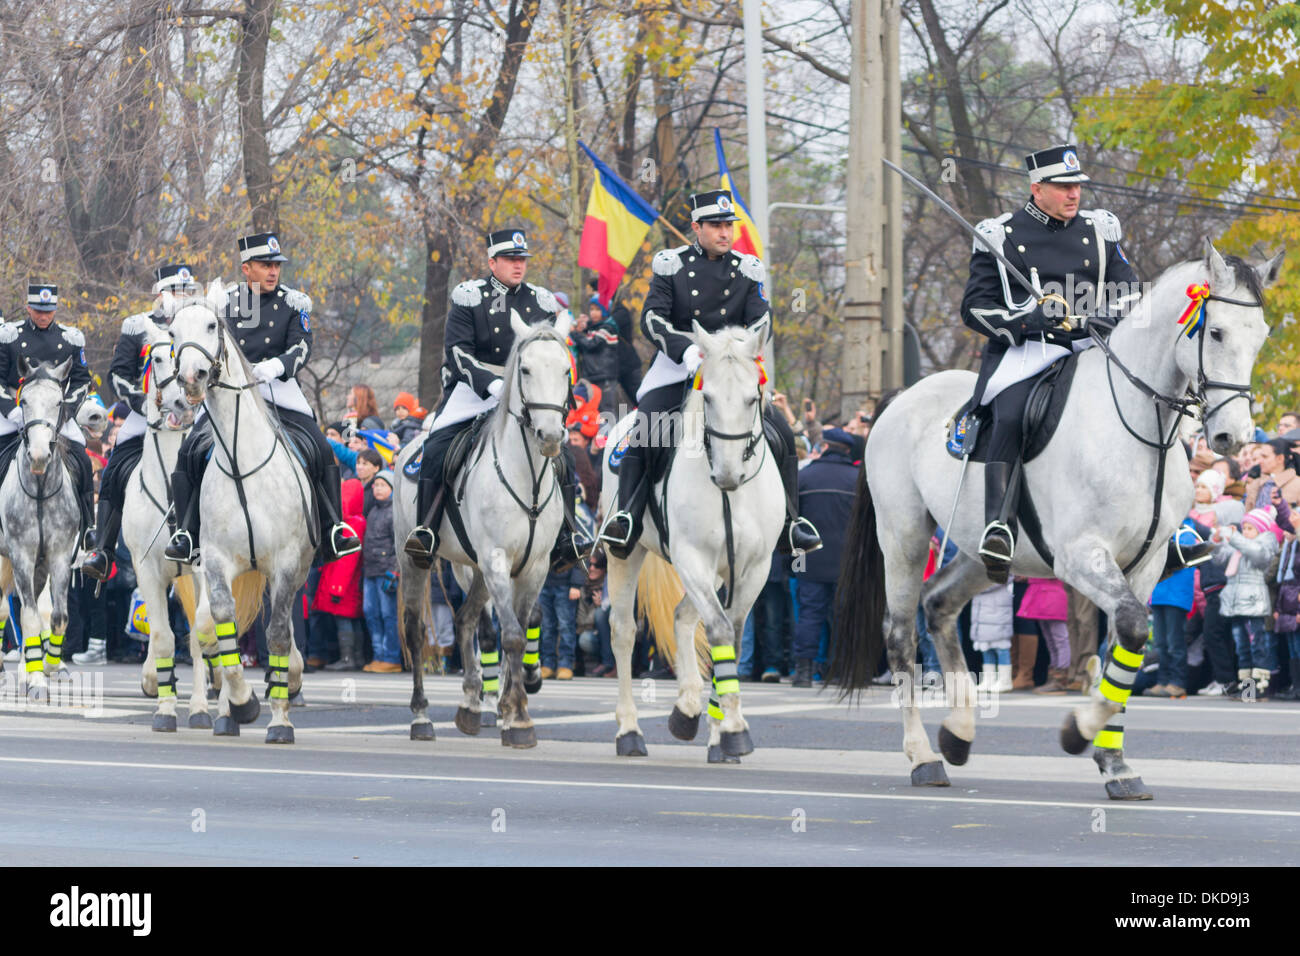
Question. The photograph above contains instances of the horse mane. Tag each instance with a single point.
(543, 330)
(233, 350)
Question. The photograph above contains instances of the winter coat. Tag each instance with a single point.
(339, 591)
(991, 618)
(1177, 590)
(407, 428)
(1286, 480)
(378, 550)
(827, 488)
(1246, 593)
(1045, 600)
(597, 351)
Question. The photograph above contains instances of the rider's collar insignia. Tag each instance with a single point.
(499, 286)
(1051, 222)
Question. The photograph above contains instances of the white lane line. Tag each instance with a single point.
(665, 787)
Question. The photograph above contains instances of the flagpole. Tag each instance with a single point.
(673, 229)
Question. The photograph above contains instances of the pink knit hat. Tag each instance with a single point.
(1262, 519)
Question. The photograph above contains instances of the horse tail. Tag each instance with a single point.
(659, 590)
(185, 593)
(248, 590)
(859, 599)
(6, 579)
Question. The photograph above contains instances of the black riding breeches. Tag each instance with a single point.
(1007, 436)
(112, 480)
(435, 450)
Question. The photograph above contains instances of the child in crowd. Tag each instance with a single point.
(991, 615)
(379, 554)
(1046, 602)
(1170, 602)
(339, 592)
(1246, 554)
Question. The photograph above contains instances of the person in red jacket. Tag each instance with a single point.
(339, 592)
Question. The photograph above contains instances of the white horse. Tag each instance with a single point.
(512, 508)
(41, 517)
(255, 509)
(1095, 489)
(144, 512)
(724, 505)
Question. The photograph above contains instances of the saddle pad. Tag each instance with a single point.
(1042, 414)
(412, 468)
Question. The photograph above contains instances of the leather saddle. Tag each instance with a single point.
(969, 429)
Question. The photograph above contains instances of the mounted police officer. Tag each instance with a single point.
(38, 338)
(478, 341)
(1074, 259)
(271, 323)
(126, 373)
(707, 283)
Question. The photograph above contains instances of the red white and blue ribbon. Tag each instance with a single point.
(1193, 318)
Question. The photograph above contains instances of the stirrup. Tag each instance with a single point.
(996, 563)
(343, 544)
(1196, 553)
(613, 539)
(421, 545)
(801, 522)
(181, 548)
(90, 565)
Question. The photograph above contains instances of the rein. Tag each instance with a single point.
(1194, 399)
(40, 495)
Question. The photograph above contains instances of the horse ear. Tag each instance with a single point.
(760, 334)
(1269, 271)
(699, 336)
(216, 295)
(24, 366)
(519, 326)
(564, 323)
(61, 370)
(1219, 273)
(168, 302)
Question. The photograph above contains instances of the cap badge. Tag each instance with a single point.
(273, 244)
(1070, 159)
(724, 204)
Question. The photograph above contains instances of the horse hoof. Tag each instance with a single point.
(213, 693)
(248, 711)
(201, 720)
(930, 775)
(532, 680)
(489, 718)
(225, 727)
(468, 721)
(716, 755)
(164, 723)
(297, 700)
(279, 734)
(147, 692)
(630, 744)
(737, 744)
(521, 738)
(1072, 742)
(955, 750)
(422, 730)
(1128, 788)
(681, 726)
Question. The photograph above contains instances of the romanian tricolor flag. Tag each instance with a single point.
(380, 442)
(747, 239)
(616, 225)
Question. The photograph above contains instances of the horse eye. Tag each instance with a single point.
(212, 326)
(1216, 334)
(525, 370)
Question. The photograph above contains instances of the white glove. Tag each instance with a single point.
(692, 358)
(269, 370)
(494, 388)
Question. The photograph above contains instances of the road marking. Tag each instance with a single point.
(664, 787)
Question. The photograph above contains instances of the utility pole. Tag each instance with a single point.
(756, 117)
(872, 360)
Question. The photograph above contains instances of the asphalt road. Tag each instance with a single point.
(826, 785)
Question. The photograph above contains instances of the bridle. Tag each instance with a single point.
(41, 494)
(751, 437)
(526, 419)
(1194, 399)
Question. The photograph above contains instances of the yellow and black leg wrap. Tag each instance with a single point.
(166, 677)
(1117, 677)
(726, 679)
(491, 661)
(532, 647)
(279, 677)
(32, 652)
(1112, 735)
(227, 644)
(53, 648)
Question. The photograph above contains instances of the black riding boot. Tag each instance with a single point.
(571, 546)
(183, 546)
(998, 547)
(422, 543)
(798, 534)
(99, 562)
(86, 480)
(623, 528)
(338, 539)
